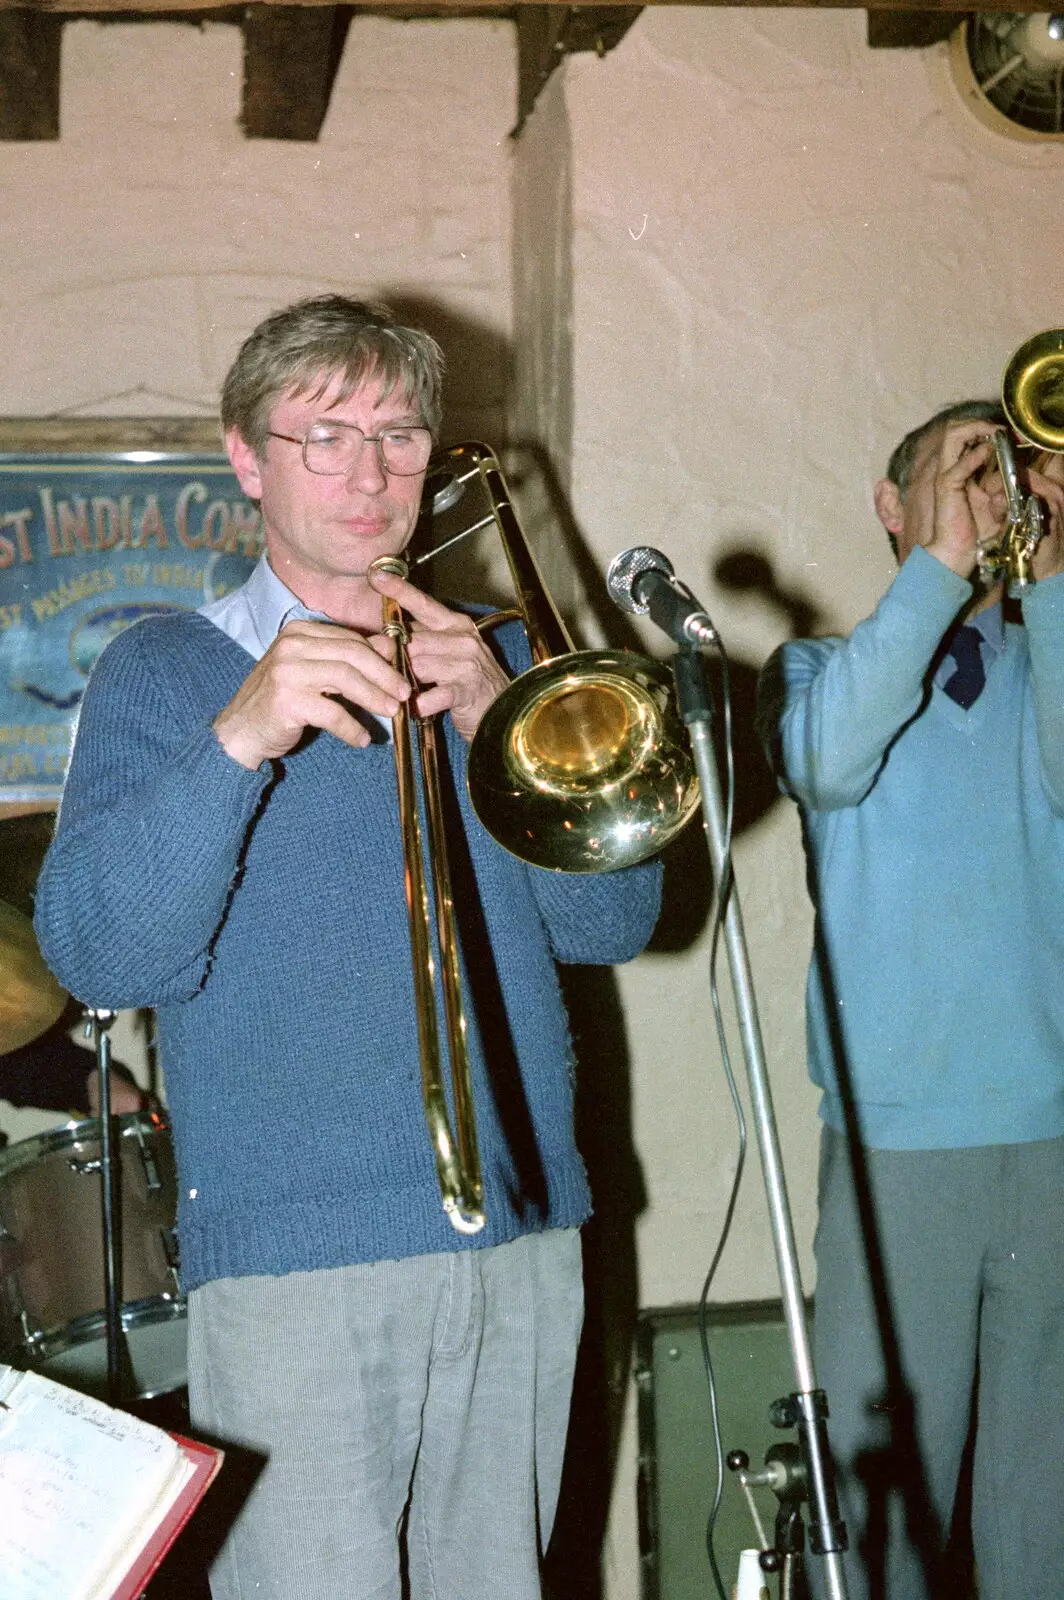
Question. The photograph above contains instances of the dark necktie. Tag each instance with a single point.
(966, 684)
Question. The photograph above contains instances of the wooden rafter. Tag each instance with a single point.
(910, 30)
(546, 34)
(146, 9)
(292, 47)
(29, 74)
(291, 54)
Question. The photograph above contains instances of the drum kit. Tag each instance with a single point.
(88, 1254)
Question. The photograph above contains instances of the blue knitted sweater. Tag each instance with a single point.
(935, 844)
(262, 914)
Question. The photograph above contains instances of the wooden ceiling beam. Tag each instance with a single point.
(539, 49)
(910, 30)
(29, 74)
(292, 48)
(291, 53)
(546, 34)
(146, 10)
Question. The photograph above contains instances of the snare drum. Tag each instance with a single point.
(52, 1295)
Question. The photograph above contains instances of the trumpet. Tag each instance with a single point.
(1032, 398)
(580, 765)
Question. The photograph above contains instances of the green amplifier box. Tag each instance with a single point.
(752, 1366)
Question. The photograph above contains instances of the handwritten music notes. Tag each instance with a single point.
(83, 1490)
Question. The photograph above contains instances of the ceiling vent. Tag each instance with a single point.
(1009, 67)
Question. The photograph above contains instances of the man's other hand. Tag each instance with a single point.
(968, 510)
(301, 682)
(447, 654)
(1046, 480)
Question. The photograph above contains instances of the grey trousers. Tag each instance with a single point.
(411, 1417)
(950, 1286)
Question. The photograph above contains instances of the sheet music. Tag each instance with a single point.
(80, 1483)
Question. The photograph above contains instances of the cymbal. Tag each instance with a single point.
(31, 999)
(24, 838)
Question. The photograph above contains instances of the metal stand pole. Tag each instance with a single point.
(827, 1532)
(110, 1175)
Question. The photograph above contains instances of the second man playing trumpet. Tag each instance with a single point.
(926, 753)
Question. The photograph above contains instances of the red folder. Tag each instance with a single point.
(91, 1499)
(205, 1461)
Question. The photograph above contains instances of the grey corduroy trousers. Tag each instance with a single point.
(967, 1256)
(409, 1417)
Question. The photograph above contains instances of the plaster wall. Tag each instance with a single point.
(145, 243)
(787, 249)
(750, 254)
(541, 406)
(143, 246)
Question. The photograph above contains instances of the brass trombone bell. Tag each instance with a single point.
(582, 763)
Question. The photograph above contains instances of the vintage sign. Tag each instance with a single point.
(91, 540)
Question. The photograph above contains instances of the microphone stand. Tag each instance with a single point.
(807, 1408)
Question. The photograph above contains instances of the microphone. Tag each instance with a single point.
(641, 581)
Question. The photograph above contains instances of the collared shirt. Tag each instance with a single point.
(254, 615)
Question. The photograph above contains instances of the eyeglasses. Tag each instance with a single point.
(332, 448)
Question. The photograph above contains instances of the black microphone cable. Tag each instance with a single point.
(721, 899)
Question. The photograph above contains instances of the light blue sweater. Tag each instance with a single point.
(262, 913)
(935, 847)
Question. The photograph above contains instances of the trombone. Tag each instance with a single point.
(1032, 398)
(457, 1154)
(580, 765)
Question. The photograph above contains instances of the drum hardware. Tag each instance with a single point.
(148, 1162)
(98, 1027)
(50, 1271)
(151, 1169)
(84, 1168)
(51, 1258)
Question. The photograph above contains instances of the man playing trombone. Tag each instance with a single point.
(229, 851)
(926, 753)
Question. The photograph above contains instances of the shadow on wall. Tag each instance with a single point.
(476, 373)
(743, 570)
